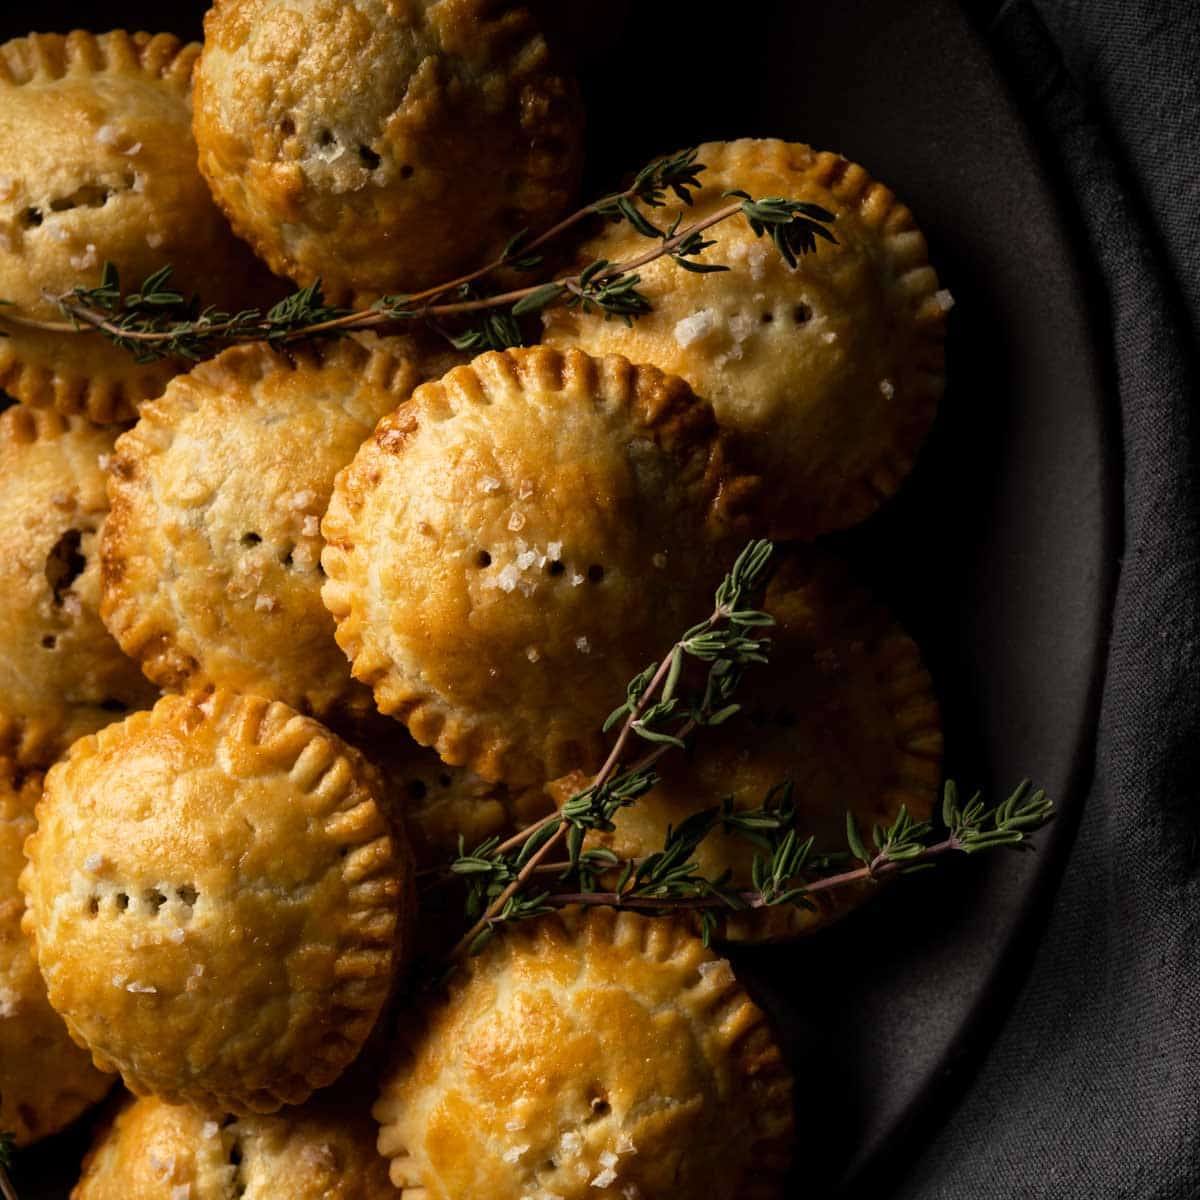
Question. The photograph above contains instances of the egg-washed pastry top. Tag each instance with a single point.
(516, 543)
(100, 166)
(831, 372)
(324, 1150)
(844, 711)
(218, 901)
(61, 673)
(589, 1056)
(383, 147)
(212, 552)
(46, 1081)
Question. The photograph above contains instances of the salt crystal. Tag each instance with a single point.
(527, 586)
(887, 388)
(526, 560)
(177, 935)
(107, 135)
(583, 645)
(570, 1143)
(514, 1154)
(139, 184)
(606, 1177)
(533, 654)
(72, 605)
(489, 484)
(312, 526)
(304, 499)
(81, 262)
(181, 1191)
(104, 461)
(265, 604)
(659, 560)
(758, 262)
(625, 1145)
(136, 148)
(58, 233)
(207, 706)
(507, 579)
(608, 1159)
(514, 1126)
(945, 301)
(829, 337)
(154, 240)
(516, 522)
(210, 1129)
(142, 989)
(554, 549)
(741, 326)
(118, 981)
(576, 579)
(716, 967)
(525, 490)
(692, 329)
(93, 863)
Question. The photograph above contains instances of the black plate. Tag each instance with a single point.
(999, 555)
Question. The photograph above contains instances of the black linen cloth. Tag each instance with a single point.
(1092, 1086)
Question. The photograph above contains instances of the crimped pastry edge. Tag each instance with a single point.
(377, 859)
(154, 644)
(660, 403)
(717, 999)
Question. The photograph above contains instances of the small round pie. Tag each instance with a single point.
(591, 1056)
(155, 1151)
(516, 543)
(61, 673)
(46, 1081)
(383, 147)
(830, 373)
(218, 901)
(844, 711)
(211, 555)
(100, 166)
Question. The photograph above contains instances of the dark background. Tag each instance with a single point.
(999, 555)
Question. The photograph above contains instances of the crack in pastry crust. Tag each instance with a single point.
(324, 1150)
(584, 1054)
(830, 373)
(339, 137)
(61, 673)
(46, 1081)
(534, 518)
(100, 165)
(218, 902)
(845, 711)
(211, 555)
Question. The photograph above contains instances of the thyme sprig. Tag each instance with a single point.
(7, 1145)
(518, 879)
(661, 711)
(157, 321)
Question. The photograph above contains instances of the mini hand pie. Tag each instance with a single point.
(212, 553)
(218, 902)
(589, 1056)
(46, 1081)
(383, 147)
(156, 1151)
(100, 166)
(844, 712)
(61, 673)
(516, 542)
(830, 373)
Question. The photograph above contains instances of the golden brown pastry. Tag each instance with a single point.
(61, 674)
(832, 372)
(155, 1151)
(46, 1081)
(844, 711)
(592, 1056)
(100, 165)
(517, 542)
(212, 553)
(384, 147)
(218, 901)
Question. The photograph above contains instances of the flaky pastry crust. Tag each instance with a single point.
(831, 373)
(844, 711)
(218, 902)
(46, 1081)
(383, 146)
(100, 165)
(589, 1057)
(518, 541)
(155, 1151)
(61, 673)
(211, 555)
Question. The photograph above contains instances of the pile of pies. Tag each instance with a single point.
(280, 630)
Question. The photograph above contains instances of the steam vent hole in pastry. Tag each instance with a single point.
(218, 900)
